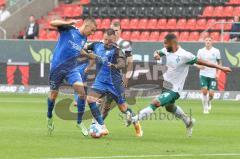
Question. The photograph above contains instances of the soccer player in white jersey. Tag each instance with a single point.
(207, 75)
(178, 61)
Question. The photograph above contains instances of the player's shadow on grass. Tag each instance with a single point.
(63, 111)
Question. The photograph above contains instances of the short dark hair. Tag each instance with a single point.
(90, 20)
(170, 37)
(109, 32)
(116, 24)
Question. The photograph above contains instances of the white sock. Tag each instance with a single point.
(179, 113)
(143, 114)
(205, 102)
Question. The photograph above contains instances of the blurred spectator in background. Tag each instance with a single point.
(235, 29)
(33, 29)
(4, 13)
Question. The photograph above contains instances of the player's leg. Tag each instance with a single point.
(74, 78)
(51, 102)
(55, 79)
(117, 93)
(212, 87)
(204, 91)
(167, 98)
(92, 99)
(84, 80)
(124, 108)
(179, 113)
(106, 106)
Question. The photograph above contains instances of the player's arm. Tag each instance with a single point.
(128, 75)
(199, 57)
(58, 23)
(88, 52)
(120, 60)
(90, 65)
(212, 65)
(219, 61)
(158, 54)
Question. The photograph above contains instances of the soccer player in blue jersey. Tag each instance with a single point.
(109, 78)
(65, 64)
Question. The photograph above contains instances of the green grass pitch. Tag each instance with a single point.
(23, 133)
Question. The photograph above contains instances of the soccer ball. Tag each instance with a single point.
(95, 131)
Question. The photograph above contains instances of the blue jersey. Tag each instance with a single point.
(68, 48)
(105, 73)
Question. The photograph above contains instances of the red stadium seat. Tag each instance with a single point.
(161, 23)
(106, 23)
(215, 36)
(125, 23)
(234, 2)
(142, 24)
(176, 33)
(52, 35)
(152, 23)
(171, 24)
(194, 36)
(67, 12)
(211, 23)
(203, 35)
(191, 24)
(228, 26)
(183, 36)
(84, 2)
(226, 37)
(154, 36)
(115, 20)
(201, 24)
(135, 36)
(144, 36)
(98, 35)
(77, 12)
(218, 11)
(99, 22)
(42, 34)
(228, 11)
(208, 11)
(90, 38)
(236, 11)
(162, 35)
(2, 2)
(133, 23)
(181, 24)
(219, 25)
(126, 35)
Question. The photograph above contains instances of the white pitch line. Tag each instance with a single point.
(152, 156)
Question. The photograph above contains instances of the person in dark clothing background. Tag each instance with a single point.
(235, 28)
(32, 29)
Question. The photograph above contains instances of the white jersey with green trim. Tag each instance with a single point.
(177, 68)
(212, 55)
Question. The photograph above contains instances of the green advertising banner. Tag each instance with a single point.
(41, 51)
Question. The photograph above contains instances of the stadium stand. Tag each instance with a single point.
(150, 20)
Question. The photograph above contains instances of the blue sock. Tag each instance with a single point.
(96, 113)
(81, 109)
(50, 107)
(75, 97)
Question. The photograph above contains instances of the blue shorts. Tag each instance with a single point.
(57, 76)
(115, 91)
